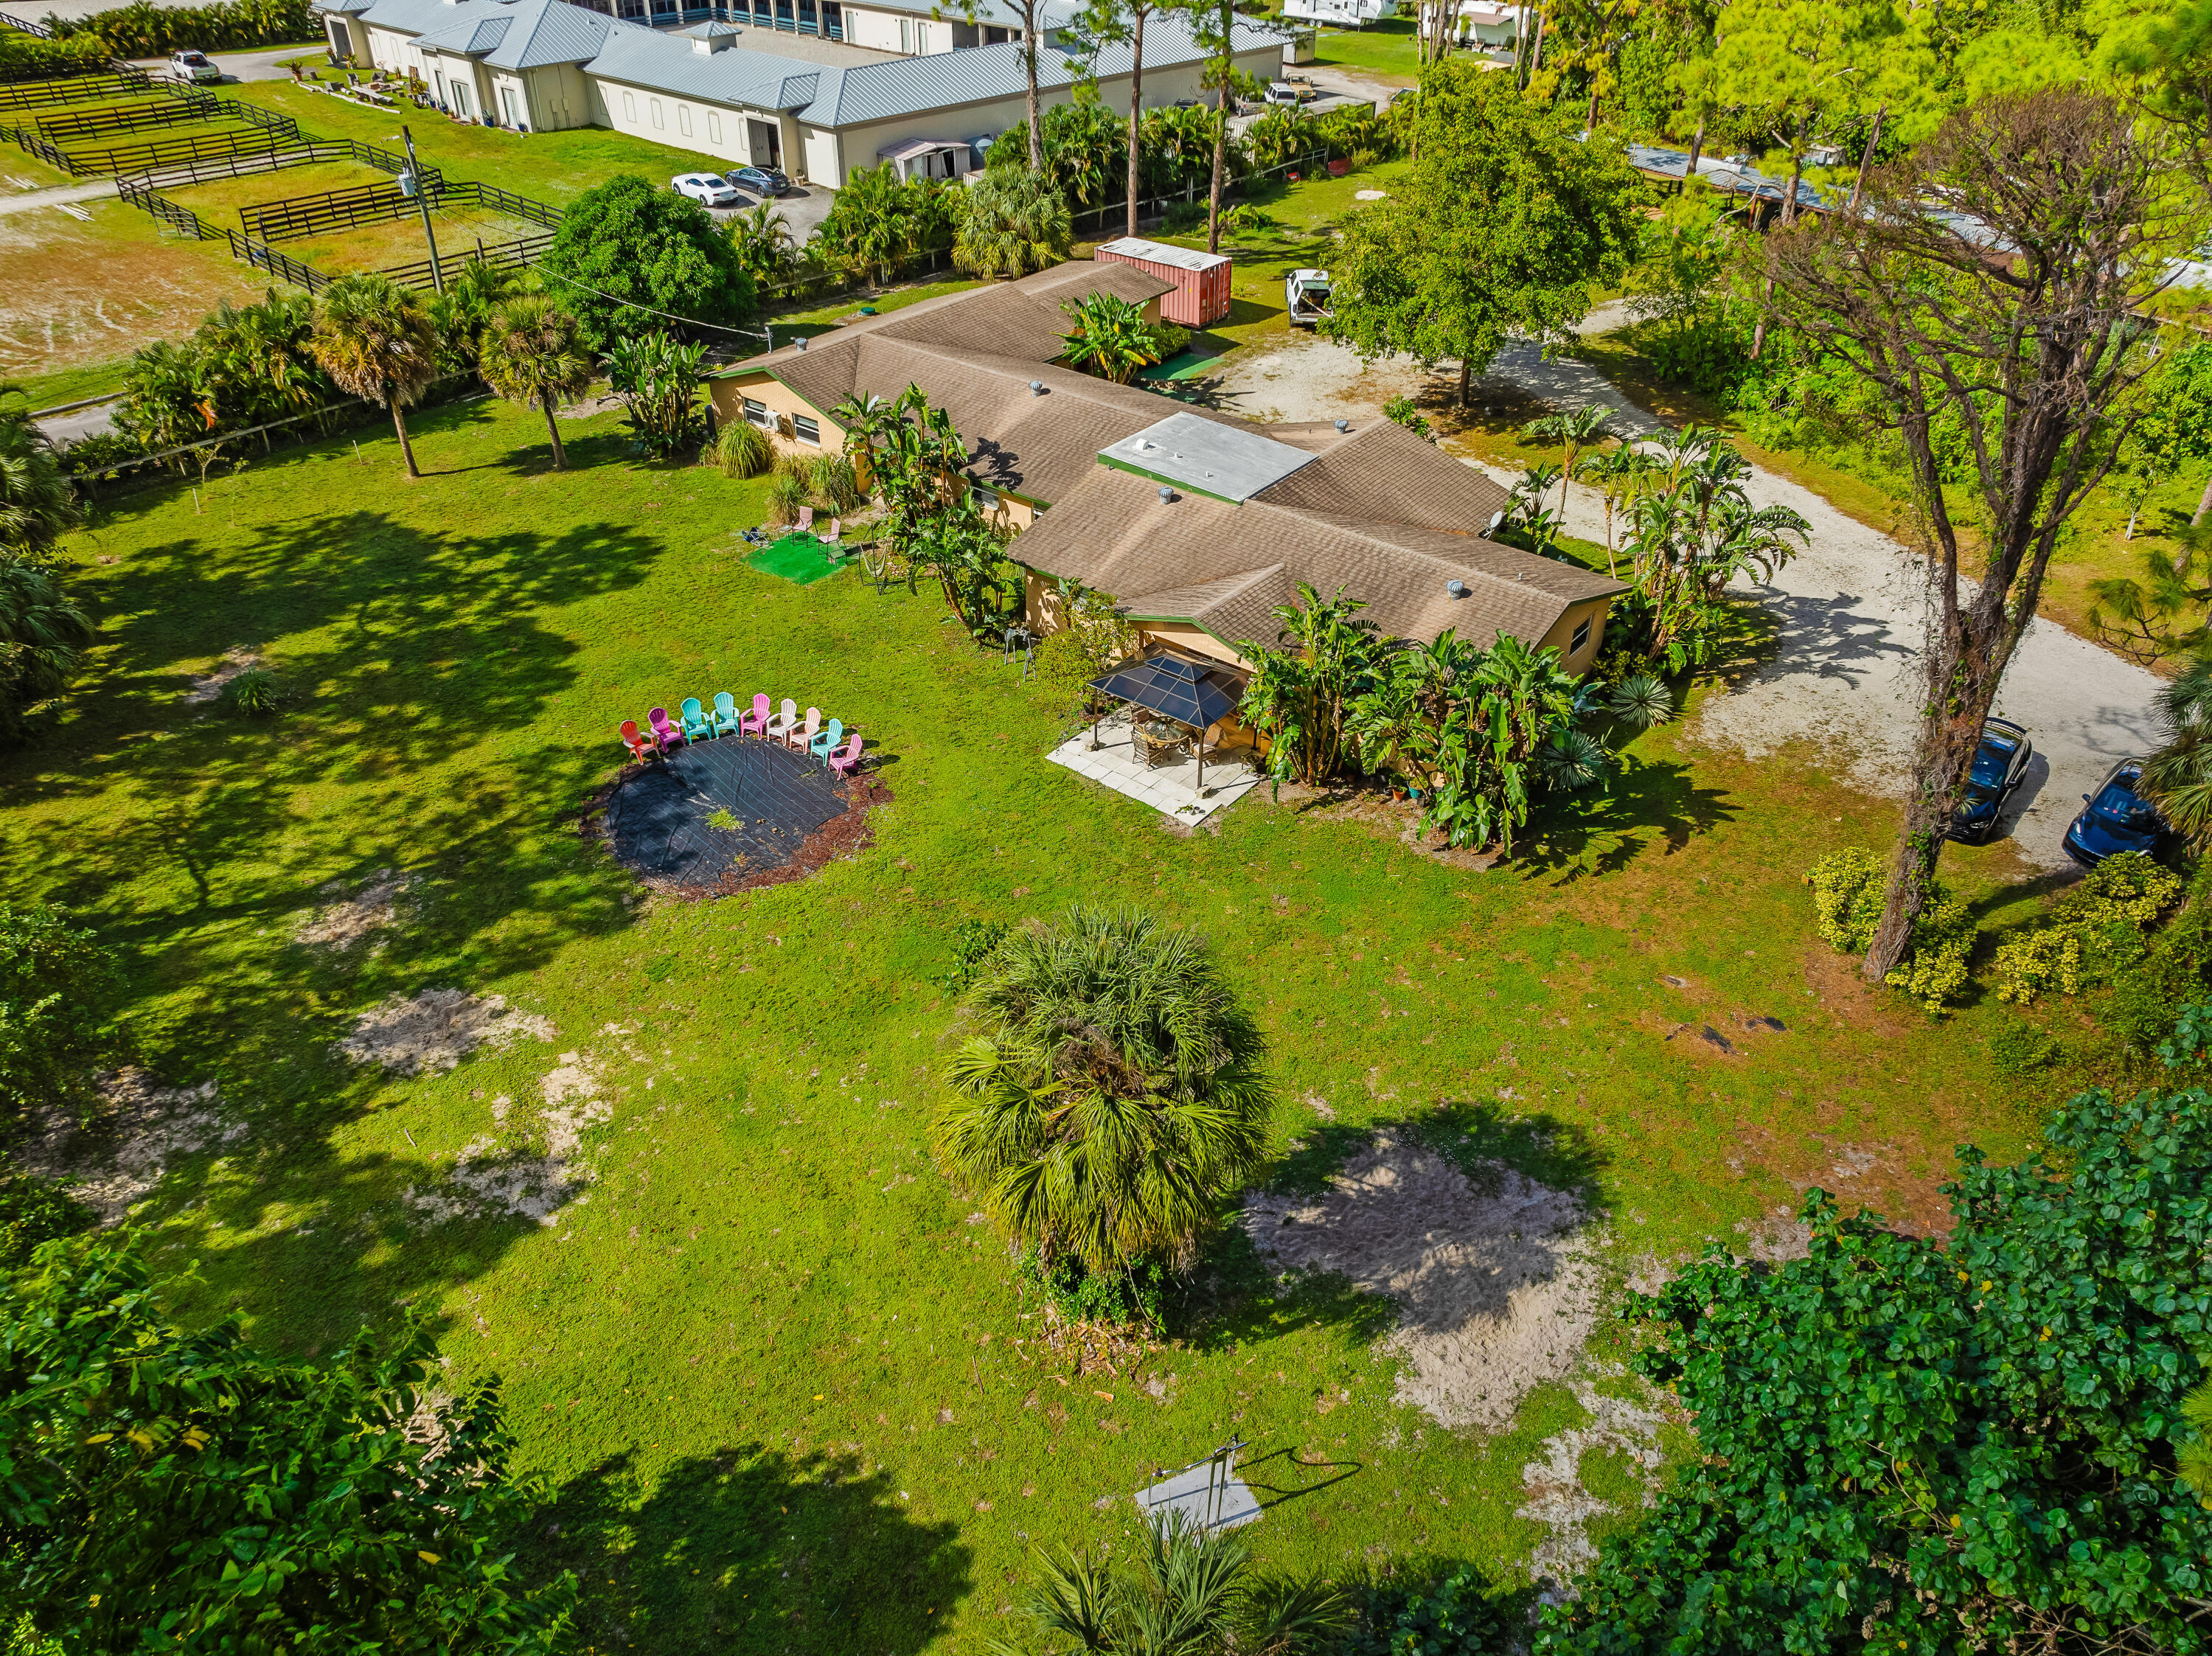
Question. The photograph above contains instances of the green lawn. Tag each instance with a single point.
(1387, 51)
(554, 167)
(785, 1396)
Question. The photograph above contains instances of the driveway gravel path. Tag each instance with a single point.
(1851, 614)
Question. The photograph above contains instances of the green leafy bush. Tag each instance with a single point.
(254, 692)
(2091, 930)
(33, 1211)
(630, 256)
(1454, 1616)
(1128, 1297)
(55, 983)
(174, 1478)
(1403, 411)
(831, 478)
(1848, 890)
(140, 30)
(1941, 1446)
(657, 378)
(972, 943)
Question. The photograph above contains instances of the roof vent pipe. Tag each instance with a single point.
(1455, 588)
(1344, 425)
(802, 342)
(1167, 495)
(1037, 387)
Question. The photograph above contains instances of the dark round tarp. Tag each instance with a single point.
(658, 817)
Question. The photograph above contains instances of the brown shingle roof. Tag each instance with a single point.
(1225, 567)
(1381, 471)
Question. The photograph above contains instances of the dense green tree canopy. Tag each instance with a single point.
(1960, 1446)
(628, 240)
(168, 1490)
(1508, 219)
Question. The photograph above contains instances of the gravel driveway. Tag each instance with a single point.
(1852, 613)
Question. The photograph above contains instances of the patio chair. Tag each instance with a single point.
(847, 762)
(836, 526)
(664, 732)
(756, 722)
(780, 727)
(805, 520)
(726, 713)
(801, 736)
(635, 743)
(826, 744)
(697, 727)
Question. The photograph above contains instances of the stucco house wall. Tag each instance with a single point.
(1562, 635)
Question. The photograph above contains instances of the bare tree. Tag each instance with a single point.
(1990, 282)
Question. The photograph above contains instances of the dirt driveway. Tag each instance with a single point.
(1852, 613)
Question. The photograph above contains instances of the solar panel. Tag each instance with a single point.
(1175, 689)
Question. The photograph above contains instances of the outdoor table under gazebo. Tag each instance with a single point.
(1171, 699)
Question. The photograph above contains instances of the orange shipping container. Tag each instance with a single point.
(1200, 298)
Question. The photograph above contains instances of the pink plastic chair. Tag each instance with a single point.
(779, 728)
(756, 722)
(836, 527)
(664, 732)
(634, 741)
(805, 517)
(804, 734)
(847, 762)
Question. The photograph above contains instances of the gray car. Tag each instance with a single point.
(761, 180)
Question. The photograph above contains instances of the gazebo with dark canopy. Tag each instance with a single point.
(1181, 691)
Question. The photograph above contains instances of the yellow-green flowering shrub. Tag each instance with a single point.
(1942, 940)
(2090, 929)
(1848, 890)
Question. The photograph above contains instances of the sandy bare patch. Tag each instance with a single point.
(1778, 1238)
(210, 685)
(1497, 1286)
(1306, 378)
(436, 1030)
(494, 1176)
(343, 921)
(1557, 1499)
(142, 1127)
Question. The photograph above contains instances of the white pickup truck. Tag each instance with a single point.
(1305, 296)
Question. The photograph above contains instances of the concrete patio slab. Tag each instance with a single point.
(1170, 790)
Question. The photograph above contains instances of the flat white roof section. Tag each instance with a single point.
(1160, 252)
(1227, 461)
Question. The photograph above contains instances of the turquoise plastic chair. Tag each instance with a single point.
(826, 744)
(697, 725)
(726, 713)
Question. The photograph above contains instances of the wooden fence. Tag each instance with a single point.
(333, 209)
(129, 117)
(72, 87)
(270, 133)
(306, 153)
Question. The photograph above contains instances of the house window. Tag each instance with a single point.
(1581, 637)
(906, 34)
(460, 100)
(757, 413)
(654, 104)
(513, 105)
(806, 429)
(684, 120)
(986, 499)
(630, 107)
(713, 127)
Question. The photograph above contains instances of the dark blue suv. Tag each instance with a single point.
(2114, 819)
(1999, 763)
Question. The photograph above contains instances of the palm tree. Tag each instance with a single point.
(376, 340)
(763, 239)
(2178, 777)
(1109, 339)
(37, 500)
(43, 638)
(1585, 429)
(1194, 1594)
(1617, 471)
(533, 352)
(1115, 1097)
(1012, 224)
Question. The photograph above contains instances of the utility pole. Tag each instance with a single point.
(422, 200)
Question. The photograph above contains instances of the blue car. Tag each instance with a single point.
(2115, 820)
(1999, 764)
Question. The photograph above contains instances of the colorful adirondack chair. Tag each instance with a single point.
(756, 722)
(826, 744)
(663, 732)
(779, 728)
(635, 743)
(726, 713)
(800, 736)
(847, 762)
(697, 727)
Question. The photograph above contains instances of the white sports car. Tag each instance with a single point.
(708, 189)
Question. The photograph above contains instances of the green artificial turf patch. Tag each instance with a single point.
(784, 1387)
(799, 556)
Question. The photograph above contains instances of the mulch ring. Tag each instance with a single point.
(845, 832)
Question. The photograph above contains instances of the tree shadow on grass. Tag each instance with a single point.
(750, 1551)
(1651, 802)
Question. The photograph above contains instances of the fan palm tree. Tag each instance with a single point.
(2178, 777)
(1109, 339)
(376, 339)
(37, 500)
(1115, 1097)
(43, 638)
(533, 353)
(1585, 427)
(1012, 224)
